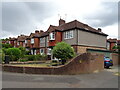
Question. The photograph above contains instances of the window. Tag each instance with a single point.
(47, 39)
(18, 43)
(108, 45)
(42, 40)
(25, 41)
(52, 36)
(49, 51)
(23, 44)
(32, 40)
(41, 51)
(68, 34)
(9, 42)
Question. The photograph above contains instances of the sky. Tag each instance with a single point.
(25, 16)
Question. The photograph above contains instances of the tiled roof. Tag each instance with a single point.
(12, 39)
(112, 40)
(22, 38)
(74, 24)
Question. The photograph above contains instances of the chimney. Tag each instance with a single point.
(41, 31)
(61, 22)
(99, 29)
(36, 31)
(9, 37)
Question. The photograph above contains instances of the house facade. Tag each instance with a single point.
(79, 35)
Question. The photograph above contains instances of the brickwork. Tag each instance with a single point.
(83, 49)
(84, 63)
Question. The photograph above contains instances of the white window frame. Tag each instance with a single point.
(41, 51)
(108, 45)
(49, 51)
(25, 41)
(68, 34)
(18, 43)
(32, 40)
(52, 36)
(42, 40)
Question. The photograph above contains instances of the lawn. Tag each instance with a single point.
(33, 65)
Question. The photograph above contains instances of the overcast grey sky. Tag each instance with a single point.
(24, 17)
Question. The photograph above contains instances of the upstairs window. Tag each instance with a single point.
(18, 43)
(68, 34)
(42, 40)
(32, 40)
(52, 36)
(25, 41)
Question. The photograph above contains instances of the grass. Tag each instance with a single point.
(33, 65)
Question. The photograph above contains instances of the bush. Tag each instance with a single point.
(14, 53)
(2, 56)
(7, 46)
(35, 57)
(63, 51)
(23, 60)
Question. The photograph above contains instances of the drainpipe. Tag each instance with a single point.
(77, 40)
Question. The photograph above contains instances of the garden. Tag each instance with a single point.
(20, 57)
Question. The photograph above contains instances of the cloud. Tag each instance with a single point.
(23, 17)
(106, 14)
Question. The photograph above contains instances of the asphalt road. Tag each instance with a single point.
(104, 79)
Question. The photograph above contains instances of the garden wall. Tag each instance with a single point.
(84, 63)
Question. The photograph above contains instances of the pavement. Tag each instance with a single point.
(104, 79)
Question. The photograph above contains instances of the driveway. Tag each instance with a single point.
(104, 79)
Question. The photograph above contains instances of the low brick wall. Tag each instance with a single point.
(84, 63)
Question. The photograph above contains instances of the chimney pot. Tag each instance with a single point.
(36, 31)
(99, 29)
(61, 22)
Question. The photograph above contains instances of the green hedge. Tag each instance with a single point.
(35, 57)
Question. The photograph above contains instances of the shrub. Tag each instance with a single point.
(63, 51)
(35, 57)
(7, 45)
(14, 53)
(31, 57)
(23, 51)
(23, 60)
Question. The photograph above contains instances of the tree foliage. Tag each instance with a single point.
(14, 53)
(7, 46)
(63, 51)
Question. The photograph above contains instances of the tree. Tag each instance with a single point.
(23, 51)
(63, 51)
(7, 46)
(14, 53)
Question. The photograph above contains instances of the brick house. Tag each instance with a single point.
(13, 41)
(79, 35)
(21, 40)
(111, 43)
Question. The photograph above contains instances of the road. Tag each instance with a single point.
(104, 79)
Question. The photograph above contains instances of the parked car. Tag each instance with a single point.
(107, 62)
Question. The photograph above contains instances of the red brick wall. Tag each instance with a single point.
(36, 43)
(112, 45)
(84, 63)
(58, 38)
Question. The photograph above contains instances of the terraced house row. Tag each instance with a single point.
(80, 36)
